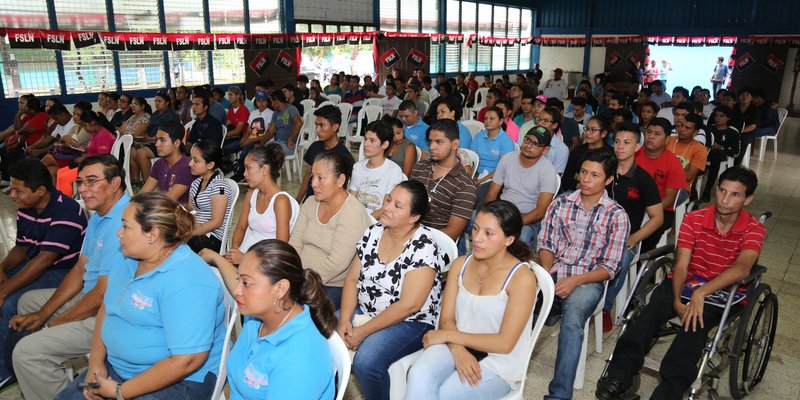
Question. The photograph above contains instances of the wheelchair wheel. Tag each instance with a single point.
(752, 345)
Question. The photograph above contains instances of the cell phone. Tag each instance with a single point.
(84, 385)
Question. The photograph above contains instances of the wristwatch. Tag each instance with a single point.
(119, 392)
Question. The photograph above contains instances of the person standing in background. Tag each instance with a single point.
(718, 77)
(666, 67)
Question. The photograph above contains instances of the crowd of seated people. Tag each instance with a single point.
(570, 190)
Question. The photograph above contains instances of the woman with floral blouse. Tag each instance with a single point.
(394, 282)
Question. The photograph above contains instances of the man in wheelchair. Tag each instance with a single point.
(717, 247)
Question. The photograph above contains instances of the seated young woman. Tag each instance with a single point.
(171, 173)
(209, 197)
(330, 223)
(394, 281)
(281, 352)
(160, 331)
(268, 212)
(482, 339)
(102, 140)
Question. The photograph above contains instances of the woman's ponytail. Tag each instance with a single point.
(313, 294)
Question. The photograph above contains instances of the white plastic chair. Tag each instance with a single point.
(472, 159)
(372, 101)
(341, 363)
(424, 109)
(307, 104)
(124, 144)
(189, 125)
(326, 103)
(419, 153)
(226, 233)
(398, 371)
(334, 98)
(347, 111)
(782, 113)
(366, 115)
(361, 155)
(447, 246)
(480, 97)
(291, 160)
(231, 318)
(474, 126)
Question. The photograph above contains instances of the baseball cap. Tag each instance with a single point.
(542, 135)
(541, 98)
(558, 70)
(261, 96)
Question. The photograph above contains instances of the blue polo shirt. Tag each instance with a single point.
(464, 136)
(101, 244)
(490, 150)
(59, 229)
(175, 309)
(292, 363)
(416, 134)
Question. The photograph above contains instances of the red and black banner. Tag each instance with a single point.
(260, 42)
(773, 64)
(259, 63)
(390, 58)
(136, 41)
(285, 61)
(744, 62)
(225, 41)
(114, 41)
(181, 41)
(417, 58)
(24, 38)
(204, 41)
(159, 42)
(325, 39)
(340, 39)
(56, 40)
(86, 39)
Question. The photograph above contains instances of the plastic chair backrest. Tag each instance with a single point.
(335, 98)
(472, 159)
(372, 101)
(226, 234)
(474, 126)
(366, 115)
(545, 287)
(480, 97)
(424, 109)
(782, 114)
(447, 246)
(189, 125)
(231, 317)
(361, 155)
(341, 363)
(124, 144)
(347, 111)
(308, 133)
(326, 103)
(419, 153)
(307, 104)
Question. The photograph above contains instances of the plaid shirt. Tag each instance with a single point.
(583, 240)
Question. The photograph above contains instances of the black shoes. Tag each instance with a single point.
(610, 389)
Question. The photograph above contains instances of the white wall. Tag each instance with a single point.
(597, 60)
(569, 59)
(788, 78)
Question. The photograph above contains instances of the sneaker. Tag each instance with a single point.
(610, 389)
(8, 381)
(608, 325)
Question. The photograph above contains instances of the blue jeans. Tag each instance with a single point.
(51, 278)
(575, 310)
(335, 294)
(378, 351)
(765, 131)
(616, 284)
(530, 234)
(284, 145)
(181, 390)
(434, 376)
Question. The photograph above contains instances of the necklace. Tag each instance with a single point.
(483, 278)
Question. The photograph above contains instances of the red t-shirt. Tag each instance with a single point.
(241, 114)
(713, 253)
(665, 169)
(38, 122)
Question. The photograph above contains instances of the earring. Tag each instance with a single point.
(149, 241)
(277, 310)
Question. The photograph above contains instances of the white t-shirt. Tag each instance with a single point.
(61, 130)
(390, 105)
(556, 88)
(263, 117)
(432, 94)
(371, 185)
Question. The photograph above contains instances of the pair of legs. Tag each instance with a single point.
(378, 351)
(679, 366)
(185, 390)
(530, 234)
(38, 357)
(140, 162)
(575, 310)
(51, 278)
(434, 376)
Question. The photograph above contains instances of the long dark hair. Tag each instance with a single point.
(96, 117)
(510, 220)
(278, 260)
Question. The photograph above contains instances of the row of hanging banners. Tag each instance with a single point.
(119, 41)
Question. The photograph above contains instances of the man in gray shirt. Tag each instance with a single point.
(528, 180)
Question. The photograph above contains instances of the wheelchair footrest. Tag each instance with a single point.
(651, 364)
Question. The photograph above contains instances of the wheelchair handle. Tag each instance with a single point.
(657, 252)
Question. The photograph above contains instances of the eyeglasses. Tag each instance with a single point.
(535, 145)
(88, 182)
(545, 120)
(594, 130)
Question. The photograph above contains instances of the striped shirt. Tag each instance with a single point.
(712, 252)
(202, 201)
(452, 194)
(583, 240)
(59, 229)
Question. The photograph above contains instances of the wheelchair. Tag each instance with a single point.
(741, 343)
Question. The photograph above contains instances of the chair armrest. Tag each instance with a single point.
(657, 252)
(755, 273)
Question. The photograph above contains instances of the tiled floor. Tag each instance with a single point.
(779, 192)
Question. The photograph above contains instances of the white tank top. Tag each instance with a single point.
(264, 226)
(484, 315)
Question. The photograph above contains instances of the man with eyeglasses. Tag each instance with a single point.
(68, 312)
(205, 126)
(666, 170)
(558, 153)
(528, 180)
(594, 139)
(49, 236)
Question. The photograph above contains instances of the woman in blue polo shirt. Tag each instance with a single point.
(160, 330)
(490, 144)
(281, 352)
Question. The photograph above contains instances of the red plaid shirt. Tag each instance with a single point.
(583, 240)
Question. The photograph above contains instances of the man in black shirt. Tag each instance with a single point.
(636, 191)
(205, 126)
